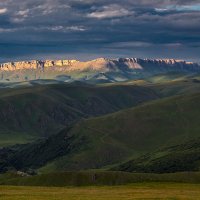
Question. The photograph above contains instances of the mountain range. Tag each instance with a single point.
(94, 71)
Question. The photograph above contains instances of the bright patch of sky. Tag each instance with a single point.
(188, 7)
(195, 7)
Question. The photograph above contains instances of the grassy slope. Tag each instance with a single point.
(29, 113)
(168, 84)
(133, 132)
(39, 111)
(108, 140)
(183, 157)
(171, 88)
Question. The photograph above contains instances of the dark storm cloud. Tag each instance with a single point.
(145, 28)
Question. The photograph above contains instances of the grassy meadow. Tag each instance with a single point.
(168, 191)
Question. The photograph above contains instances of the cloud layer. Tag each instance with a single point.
(89, 28)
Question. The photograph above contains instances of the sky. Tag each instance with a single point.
(87, 29)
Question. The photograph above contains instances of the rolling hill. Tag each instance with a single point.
(29, 113)
(183, 157)
(37, 109)
(109, 140)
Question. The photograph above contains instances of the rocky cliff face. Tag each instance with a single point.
(35, 64)
(122, 68)
(100, 64)
(146, 64)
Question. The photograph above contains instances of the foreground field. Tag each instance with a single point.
(130, 192)
(96, 178)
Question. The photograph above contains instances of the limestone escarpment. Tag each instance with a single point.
(101, 69)
(138, 63)
(101, 64)
(35, 64)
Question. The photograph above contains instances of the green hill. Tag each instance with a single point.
(168, 84)
(29, 113)
(183, 157)
(115, 138)
(44, 107)
(128, 140)
(133, 132)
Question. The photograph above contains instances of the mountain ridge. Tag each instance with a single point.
(132, 63)
(100, 70)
